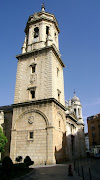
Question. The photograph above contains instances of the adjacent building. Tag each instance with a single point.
(94, 133)
(75, 129)
(87, 143)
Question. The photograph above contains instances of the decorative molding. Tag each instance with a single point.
(38, 51)
(42, 101)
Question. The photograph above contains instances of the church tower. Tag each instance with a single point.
(77, 107)
(38, 127)
(75, 129)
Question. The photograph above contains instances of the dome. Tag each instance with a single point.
(75, 98)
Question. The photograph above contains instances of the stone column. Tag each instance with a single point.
(13, 145)
(50, 149)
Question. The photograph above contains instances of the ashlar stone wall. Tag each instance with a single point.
(47, 78)
(42, 120)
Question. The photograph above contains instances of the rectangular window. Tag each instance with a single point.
(58, 96)
(92, 126)
(93, 134)
(30, 135)
(59, 93)
(59, 124)
(33, 94)
(36, 32)
(33, 69)
(57, 72)
(75, 111)
(47, 30)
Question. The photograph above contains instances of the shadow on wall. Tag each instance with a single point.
(73, 147)
(76, 145)
(60, 155)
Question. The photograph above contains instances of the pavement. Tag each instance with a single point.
(91, 171)
(51, 172)
(90, 168)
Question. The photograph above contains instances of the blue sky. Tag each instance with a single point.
(79, 41)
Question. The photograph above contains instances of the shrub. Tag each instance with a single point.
(7, 166)
(28, 161)
(19, 166)
(3, 140)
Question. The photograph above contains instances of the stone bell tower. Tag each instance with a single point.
(38, 127)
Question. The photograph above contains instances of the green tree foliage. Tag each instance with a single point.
(3, 140)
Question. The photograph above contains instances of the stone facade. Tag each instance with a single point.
(41, 118)
(39, 126)
(44, 80)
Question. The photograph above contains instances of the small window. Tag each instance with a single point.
(92, 126)
(75, 111)
(58, 96)
(93, 134)
(55, 35)
(78, 111)
(36, 32)
(47, 30)
(59, 124)
(71, 128)
(33, 69)
(30, 135)
(33, 93)
(59, 93)
(57, 72)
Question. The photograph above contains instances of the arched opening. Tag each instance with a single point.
(36, 32)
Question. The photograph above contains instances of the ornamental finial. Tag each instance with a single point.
(43, 7)
(74, 93)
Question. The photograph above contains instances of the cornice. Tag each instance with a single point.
(41, 50)
(37, 102)
(7, 108)
(72, 118)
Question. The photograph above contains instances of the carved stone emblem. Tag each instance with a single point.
(30, 119)
(33, 78)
